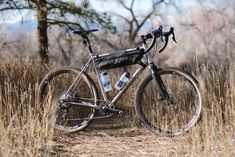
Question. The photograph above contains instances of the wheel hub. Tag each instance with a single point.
(64, 100)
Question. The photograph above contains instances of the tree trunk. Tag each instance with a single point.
(42, 11)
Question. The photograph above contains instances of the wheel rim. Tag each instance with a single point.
(171, 119)
(77, 116)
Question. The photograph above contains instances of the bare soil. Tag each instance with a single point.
(102, 140)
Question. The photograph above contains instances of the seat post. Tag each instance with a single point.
(87, 41)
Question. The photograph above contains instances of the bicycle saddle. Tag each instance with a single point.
(84, 32)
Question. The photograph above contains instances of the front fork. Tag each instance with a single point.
(159, 83)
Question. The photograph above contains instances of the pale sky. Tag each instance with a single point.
(140, 6)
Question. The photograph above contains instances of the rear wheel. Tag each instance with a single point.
(162, 117)
(74, 109)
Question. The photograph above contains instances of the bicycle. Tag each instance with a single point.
(173, 97)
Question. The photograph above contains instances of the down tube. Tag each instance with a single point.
(129, 83)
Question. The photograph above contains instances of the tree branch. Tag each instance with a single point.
(61, 23)
(12, 8)
(139, 26)
(124, 5)
(122, 17)
(113, 46)
(65, 7)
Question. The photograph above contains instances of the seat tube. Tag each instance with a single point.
(97, 71)
(92, 54)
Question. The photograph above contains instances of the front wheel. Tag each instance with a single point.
(162, 117)
(74, 109)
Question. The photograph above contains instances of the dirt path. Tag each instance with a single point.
(119, 142)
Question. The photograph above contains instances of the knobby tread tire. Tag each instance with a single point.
(147, 79)
(60, 70)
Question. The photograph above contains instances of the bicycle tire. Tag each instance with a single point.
(64, 79)
(154, 115)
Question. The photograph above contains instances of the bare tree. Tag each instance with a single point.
(51, 12)
(213, 32)
(133, 22)
(135, 25)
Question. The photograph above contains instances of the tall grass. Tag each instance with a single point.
(25, 128)
(215, 133)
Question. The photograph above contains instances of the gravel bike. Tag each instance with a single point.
(167, 101)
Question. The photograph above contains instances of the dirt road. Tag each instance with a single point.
(119, 142)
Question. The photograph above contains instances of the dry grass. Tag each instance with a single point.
(215, 134)
(25, 129)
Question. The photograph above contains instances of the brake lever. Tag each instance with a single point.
(173, 36)
(166, 42)
(161, 33)
(167, 39)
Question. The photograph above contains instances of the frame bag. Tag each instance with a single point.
(121, 59)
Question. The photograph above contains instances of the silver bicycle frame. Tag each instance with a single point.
(84, 69)
(129, 83)
(97, 71)
(122, 91)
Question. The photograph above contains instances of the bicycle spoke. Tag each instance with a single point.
(172, 116)
(76, 107)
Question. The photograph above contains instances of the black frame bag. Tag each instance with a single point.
(121, 59)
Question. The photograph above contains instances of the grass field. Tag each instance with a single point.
(25, 128)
